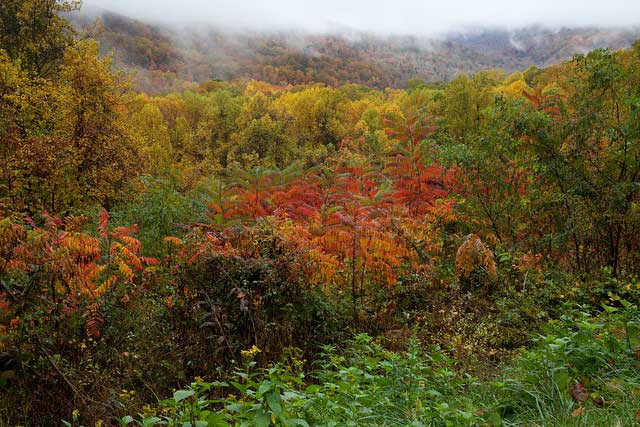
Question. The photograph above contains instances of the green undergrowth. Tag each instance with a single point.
(583, 371)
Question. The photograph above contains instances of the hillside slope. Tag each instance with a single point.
(165, 58)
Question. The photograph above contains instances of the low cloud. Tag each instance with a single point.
(419, 17)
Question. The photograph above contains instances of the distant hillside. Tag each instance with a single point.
(165, 58)
(542, 46)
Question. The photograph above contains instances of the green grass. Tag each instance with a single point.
(365, 384)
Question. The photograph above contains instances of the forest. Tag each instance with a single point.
(245, 253)
(170, 58)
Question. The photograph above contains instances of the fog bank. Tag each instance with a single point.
(419, 17)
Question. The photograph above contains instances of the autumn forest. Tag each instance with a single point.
(324, 242)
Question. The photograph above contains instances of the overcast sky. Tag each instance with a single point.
(387, 16)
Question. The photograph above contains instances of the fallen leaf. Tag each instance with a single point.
(577, 412)
(579, 393)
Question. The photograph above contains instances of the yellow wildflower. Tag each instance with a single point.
(250, 352)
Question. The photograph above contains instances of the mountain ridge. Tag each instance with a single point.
(165, 58)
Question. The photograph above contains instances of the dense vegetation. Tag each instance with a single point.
(168, 59)
(244, 253)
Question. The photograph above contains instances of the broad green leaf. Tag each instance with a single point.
(151, 421)
(182, 394)
(263, 420)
